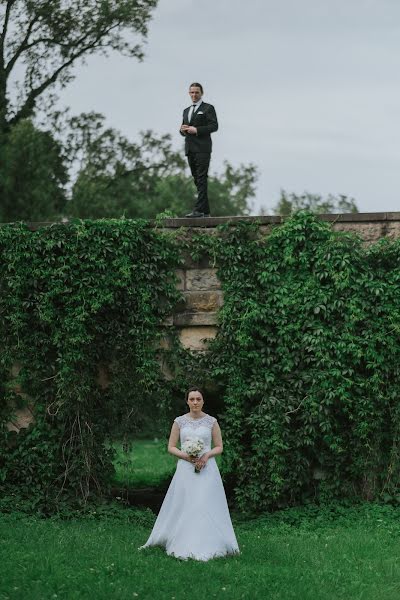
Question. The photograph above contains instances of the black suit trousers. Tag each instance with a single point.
(199, 163)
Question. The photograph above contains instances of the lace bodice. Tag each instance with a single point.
(201, 428)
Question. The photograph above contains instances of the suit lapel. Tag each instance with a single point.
(195, 113)
(186, 115)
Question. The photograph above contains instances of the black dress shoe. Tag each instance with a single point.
(195, 213)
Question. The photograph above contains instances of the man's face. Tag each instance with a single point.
(195, 93)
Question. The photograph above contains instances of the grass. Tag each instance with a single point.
(309, 553)
(147, 464)
(353, 555)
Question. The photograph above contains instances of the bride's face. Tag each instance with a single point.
(195, 401)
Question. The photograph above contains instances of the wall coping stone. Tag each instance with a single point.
(211, 222)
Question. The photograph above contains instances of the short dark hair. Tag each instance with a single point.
(195, 84)
(194, 388)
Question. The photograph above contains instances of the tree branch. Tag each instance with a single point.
(50, 41)
(29, 104)
(4, 30)
(26, 110)
(22, 47)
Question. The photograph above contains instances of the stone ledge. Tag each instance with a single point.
(211, 222)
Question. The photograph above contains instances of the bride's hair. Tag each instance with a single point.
(194, 388)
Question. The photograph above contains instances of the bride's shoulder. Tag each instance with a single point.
(180, 420)
(210, 420)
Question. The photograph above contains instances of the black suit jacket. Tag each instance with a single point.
(205, 120)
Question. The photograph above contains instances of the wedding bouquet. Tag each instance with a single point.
(194, 447)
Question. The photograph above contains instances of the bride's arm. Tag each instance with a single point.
(173, 440)
(217, 443)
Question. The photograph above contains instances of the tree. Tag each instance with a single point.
(49, 37)
(315, 203)
(116, 177)
(33, 175)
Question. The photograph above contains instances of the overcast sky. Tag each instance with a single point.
(308, 91)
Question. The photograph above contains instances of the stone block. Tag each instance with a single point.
(187, 319)
(202, 279)
(202, 301)
(195, 338)
(23, 417)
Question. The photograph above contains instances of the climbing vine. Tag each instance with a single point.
(82, 310)
(308, 352)
(306, 360)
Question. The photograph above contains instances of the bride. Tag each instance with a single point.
(194, 520)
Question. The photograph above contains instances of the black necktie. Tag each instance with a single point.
(194, 108)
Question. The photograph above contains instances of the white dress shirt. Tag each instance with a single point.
(194, 108)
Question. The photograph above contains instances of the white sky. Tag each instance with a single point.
(308, 91)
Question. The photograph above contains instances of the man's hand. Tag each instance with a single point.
(189, 129)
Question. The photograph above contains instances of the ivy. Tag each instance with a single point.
(82, 311)
(308, 353)
(306, 363)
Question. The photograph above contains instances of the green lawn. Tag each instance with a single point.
(296, 554)
(307, 553)
(146, 464)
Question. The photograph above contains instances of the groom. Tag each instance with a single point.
(199, 121)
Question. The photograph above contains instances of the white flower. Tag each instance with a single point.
(193, 446)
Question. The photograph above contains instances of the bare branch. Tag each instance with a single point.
(23, 46)
(49, 37)
(4, 30)
(29, 103)
(44, 40)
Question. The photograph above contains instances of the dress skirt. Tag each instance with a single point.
(194, 520)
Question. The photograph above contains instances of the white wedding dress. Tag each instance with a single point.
(194, 520)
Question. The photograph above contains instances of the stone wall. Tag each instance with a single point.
(196, 318)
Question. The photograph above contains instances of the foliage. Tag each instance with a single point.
(308, 351)
(42, 40)
(305, 366)
(116, 177)
(33, 174)
(82, 310)
(315, 203)
(110, 176)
